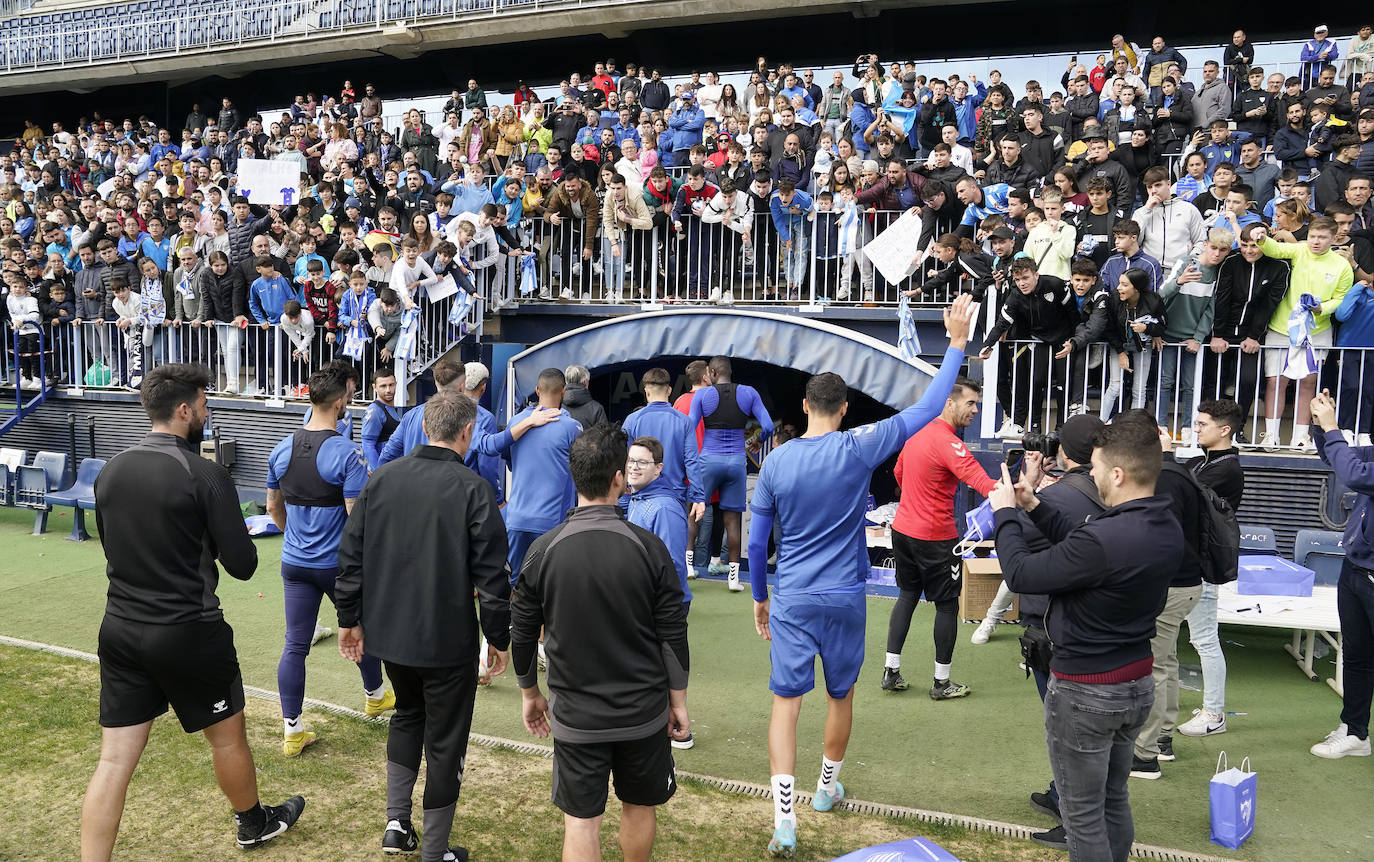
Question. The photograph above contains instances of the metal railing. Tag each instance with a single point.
(249, 360)
(1036, 388)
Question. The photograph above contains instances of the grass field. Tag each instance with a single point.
(978, 757)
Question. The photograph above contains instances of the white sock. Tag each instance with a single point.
(893, 661)
(941, 671)
(715, 561)
(294, 725)
(1299, 432)
(376, 693)
(830, 773)
(734, 572)
(1271, 427)
(690, 554)
(542, 654)
(784, 799)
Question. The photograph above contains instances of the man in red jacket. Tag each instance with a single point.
(929, 469)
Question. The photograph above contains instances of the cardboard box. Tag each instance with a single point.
(1262, 575)
(982, 576)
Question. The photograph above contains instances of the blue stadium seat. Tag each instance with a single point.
(1255, 539)
(31, 492)
(1322, 552)
(6, 486)
(55, 465)
(80, 497)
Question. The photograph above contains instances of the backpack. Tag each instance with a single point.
(1218, 532)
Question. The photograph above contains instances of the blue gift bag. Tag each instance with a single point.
(910, 850)
(1233, 799)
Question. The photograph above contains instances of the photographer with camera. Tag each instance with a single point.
(1067, 485)
(1106, 579)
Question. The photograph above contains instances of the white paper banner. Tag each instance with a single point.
(269, 182)
(895, 251)
(443, 289)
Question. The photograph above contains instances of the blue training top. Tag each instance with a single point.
(729, 440)
(661, 421)
(817, 488)
(541, 489)
(313, 532)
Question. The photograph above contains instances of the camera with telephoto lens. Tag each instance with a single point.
(1047, 444)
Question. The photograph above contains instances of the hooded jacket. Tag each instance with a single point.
(581, 406)
(1246, 296)
(658, 509)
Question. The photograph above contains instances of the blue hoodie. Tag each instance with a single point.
(861, 116)
(786, 221)
(658, 509)
(686, 125)
(967, 113)
(268, 296)
(681, 471)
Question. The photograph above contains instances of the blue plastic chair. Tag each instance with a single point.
(80, 497)
(1258, 540)
(1322, 552)
(6, 487)
(55, 465)
(31, 492)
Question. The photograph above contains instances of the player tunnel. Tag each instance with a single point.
(775, 353)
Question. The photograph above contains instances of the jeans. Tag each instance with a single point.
(794, 258)
(303, 588)
(1089, 729)
(1140, 376)
(1164, 645)
(1202, 634)
(1355, 604)
(1176, 368)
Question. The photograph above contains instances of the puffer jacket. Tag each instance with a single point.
(222, 297)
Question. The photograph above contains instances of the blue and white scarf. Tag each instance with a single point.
(1301, 361)
(907, 341)
(152, 305)
(405, 343)
(463, 303)
(355, 340)
(849, 231)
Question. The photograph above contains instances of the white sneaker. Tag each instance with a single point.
(714, 295)
(842, 294)
(1349, 437)
(576, 271)
(1011, 431)
(984, 631)
(726, 298)
(565, 293)
(1077, 409)
(1363, 440)
(321, 632)
(868, 295)
(28, 383)
(1203, 723)
(545, 294)
(1269, 442)
(597, 268)
(1303, 444)
(1339, 743)
(734, 583)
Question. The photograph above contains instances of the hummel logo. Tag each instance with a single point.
(220, 706)
(959, 449)
(955, 570)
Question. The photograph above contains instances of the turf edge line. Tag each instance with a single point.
(898, 812)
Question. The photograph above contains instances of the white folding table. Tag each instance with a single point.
(1308, 618)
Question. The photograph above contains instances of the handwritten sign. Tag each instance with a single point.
(894, 251)
(269, 182)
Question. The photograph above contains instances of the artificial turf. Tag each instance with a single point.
(980, 756)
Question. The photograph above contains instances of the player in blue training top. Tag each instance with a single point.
(725, 408)
(382, 417)
(815, 487)
(541, 485)
(313, 477)
(660, 420)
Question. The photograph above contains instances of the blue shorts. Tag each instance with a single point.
(726, 474)
(830, 625)
(518, 545)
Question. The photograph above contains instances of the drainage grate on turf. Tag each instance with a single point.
(876, 809)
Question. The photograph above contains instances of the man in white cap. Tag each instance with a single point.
(1317, 52)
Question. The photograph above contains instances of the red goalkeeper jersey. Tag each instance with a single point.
(929, 469)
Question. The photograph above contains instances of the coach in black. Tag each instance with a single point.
(610, 602)
(165, 515)
(424, 532)
(1107, 581)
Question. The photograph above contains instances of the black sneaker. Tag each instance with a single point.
(1045, 804)
(278, 819)
(1147, 769)
(948, 689)
(400, 837)
(1055, 838)
(456, 854)
(1166, 749)
(892, 680)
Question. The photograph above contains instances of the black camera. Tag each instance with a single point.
(1047, 444)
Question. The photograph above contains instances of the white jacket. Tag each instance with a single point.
(24, 313)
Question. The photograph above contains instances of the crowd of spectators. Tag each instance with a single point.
(637, 188)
